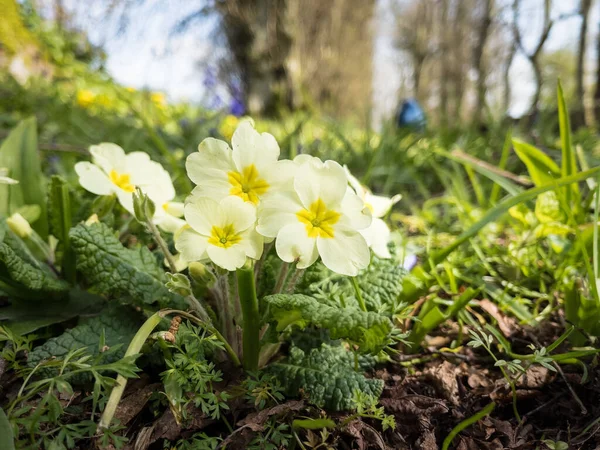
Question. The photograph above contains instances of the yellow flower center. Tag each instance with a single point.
(223, 237)
(122, 180)
(247, 185)
(319, 221)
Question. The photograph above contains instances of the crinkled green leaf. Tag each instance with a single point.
(368, 330)
(21, 271)
(118, 324)
(325, 375)
(118, 271)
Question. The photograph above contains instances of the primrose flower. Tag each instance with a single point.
(114, 172)
(378, 234)
(222, 232)
(319, 216)
(250, 171)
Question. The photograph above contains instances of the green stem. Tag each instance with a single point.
(466, 423)
(193, 301)
(359, 297)
(249, 304)
(134, 348)
(283, 272)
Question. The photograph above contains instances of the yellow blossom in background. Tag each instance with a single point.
(159, 99)
(228, 126)
(85, 98)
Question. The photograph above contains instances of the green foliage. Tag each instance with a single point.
(114, 327)
(47, 425)
(368, 330)
(114, 270)
(21, 272)
(327, 376)
(190, 377)
(19, 154)
(542, 169)
(7, 440)
(263, 390)
(60, 219)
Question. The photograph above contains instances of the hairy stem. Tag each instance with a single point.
(283, 272)
(249, 304)
(359, 297)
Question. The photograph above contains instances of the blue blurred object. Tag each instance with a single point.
(411, 115)
(236, 105)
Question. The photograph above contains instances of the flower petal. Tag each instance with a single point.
(354, 209)
(380, 205)
(277, 211)
(191, 245)
(212, 160)
(109, 157)
(293, 244)
(346, 253)
(359, 189)
(175, 209)
(168, 223)
(237, 212)
(378, 237)
(252, 147)
(125, 199)
(326, 181)
(202, 213)
(253, 243)
(230, 258)
(215, 188)
(93, 179)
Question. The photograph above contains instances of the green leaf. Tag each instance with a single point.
(325, 375)
(26, 276)
(368, 330)
(569, 159)
(313, 424)
(548, 208)
(118, 271)
(117, 324)
(19, 154)
(540, 166)
(60, 217)
(7, 440)
(26, 316)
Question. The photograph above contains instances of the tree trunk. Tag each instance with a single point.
(597, 92)
(260, 45)
(506, 94)
(478, 60)
(445, 63)
(579, 112)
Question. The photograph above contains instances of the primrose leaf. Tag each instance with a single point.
(116, 324)
(118, 271)
(325, 375)
(21, 271)
(19, 154)
(368, 330)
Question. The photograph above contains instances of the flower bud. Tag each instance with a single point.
(143, 206)
(179, 284)
(19, 225)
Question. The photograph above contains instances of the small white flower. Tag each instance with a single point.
(319, 216)
(223, 232)
(250, 171)
(378, 235)
(4, 178)
(114, 172)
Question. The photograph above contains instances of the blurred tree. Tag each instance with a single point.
(579, 110)
(534, 56)
(292, 53)
(558, 65)
(452, 45)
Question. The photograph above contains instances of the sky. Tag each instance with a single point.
(148, 56)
